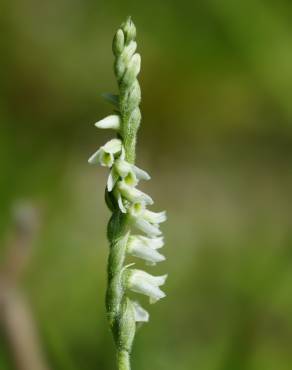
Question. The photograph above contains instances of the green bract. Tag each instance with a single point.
(127, 203)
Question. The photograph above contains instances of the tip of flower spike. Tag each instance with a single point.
(129, 29)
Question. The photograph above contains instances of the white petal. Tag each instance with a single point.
(141, 174)
(142, 275)
(154, 292)
(144, 252)
(154, 217)
(157, 280)
(146, 227)
(113, 146)
(154, 243)
(123, 167)
(141, 315)
(94, 159)
(112, 122)
(120, 203)
(112, 179)
(133, 194)
(153, 299)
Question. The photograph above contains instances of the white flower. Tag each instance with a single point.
(141, 282)
(105, 155)
(113, 121)
(125, 168)
(138, 248)
(127, 171)
(141, 315)
(132, 194)
(145, 220)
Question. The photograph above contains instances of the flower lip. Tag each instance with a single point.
(102, 157)
(131, 179)
(141, 315)
(136, 209)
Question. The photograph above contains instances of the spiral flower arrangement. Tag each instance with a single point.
(127, 203)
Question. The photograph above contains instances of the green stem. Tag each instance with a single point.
(123, 360)
(118, 237)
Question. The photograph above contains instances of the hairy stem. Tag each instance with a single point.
(124, 360)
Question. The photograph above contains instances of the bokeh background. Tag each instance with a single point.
(216, 136)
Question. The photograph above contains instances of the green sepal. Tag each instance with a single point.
(110, 200)
(118, 42)
(127, 327)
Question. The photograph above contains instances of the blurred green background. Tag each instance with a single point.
(216, 136)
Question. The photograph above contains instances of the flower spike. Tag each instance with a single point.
(127, 203)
